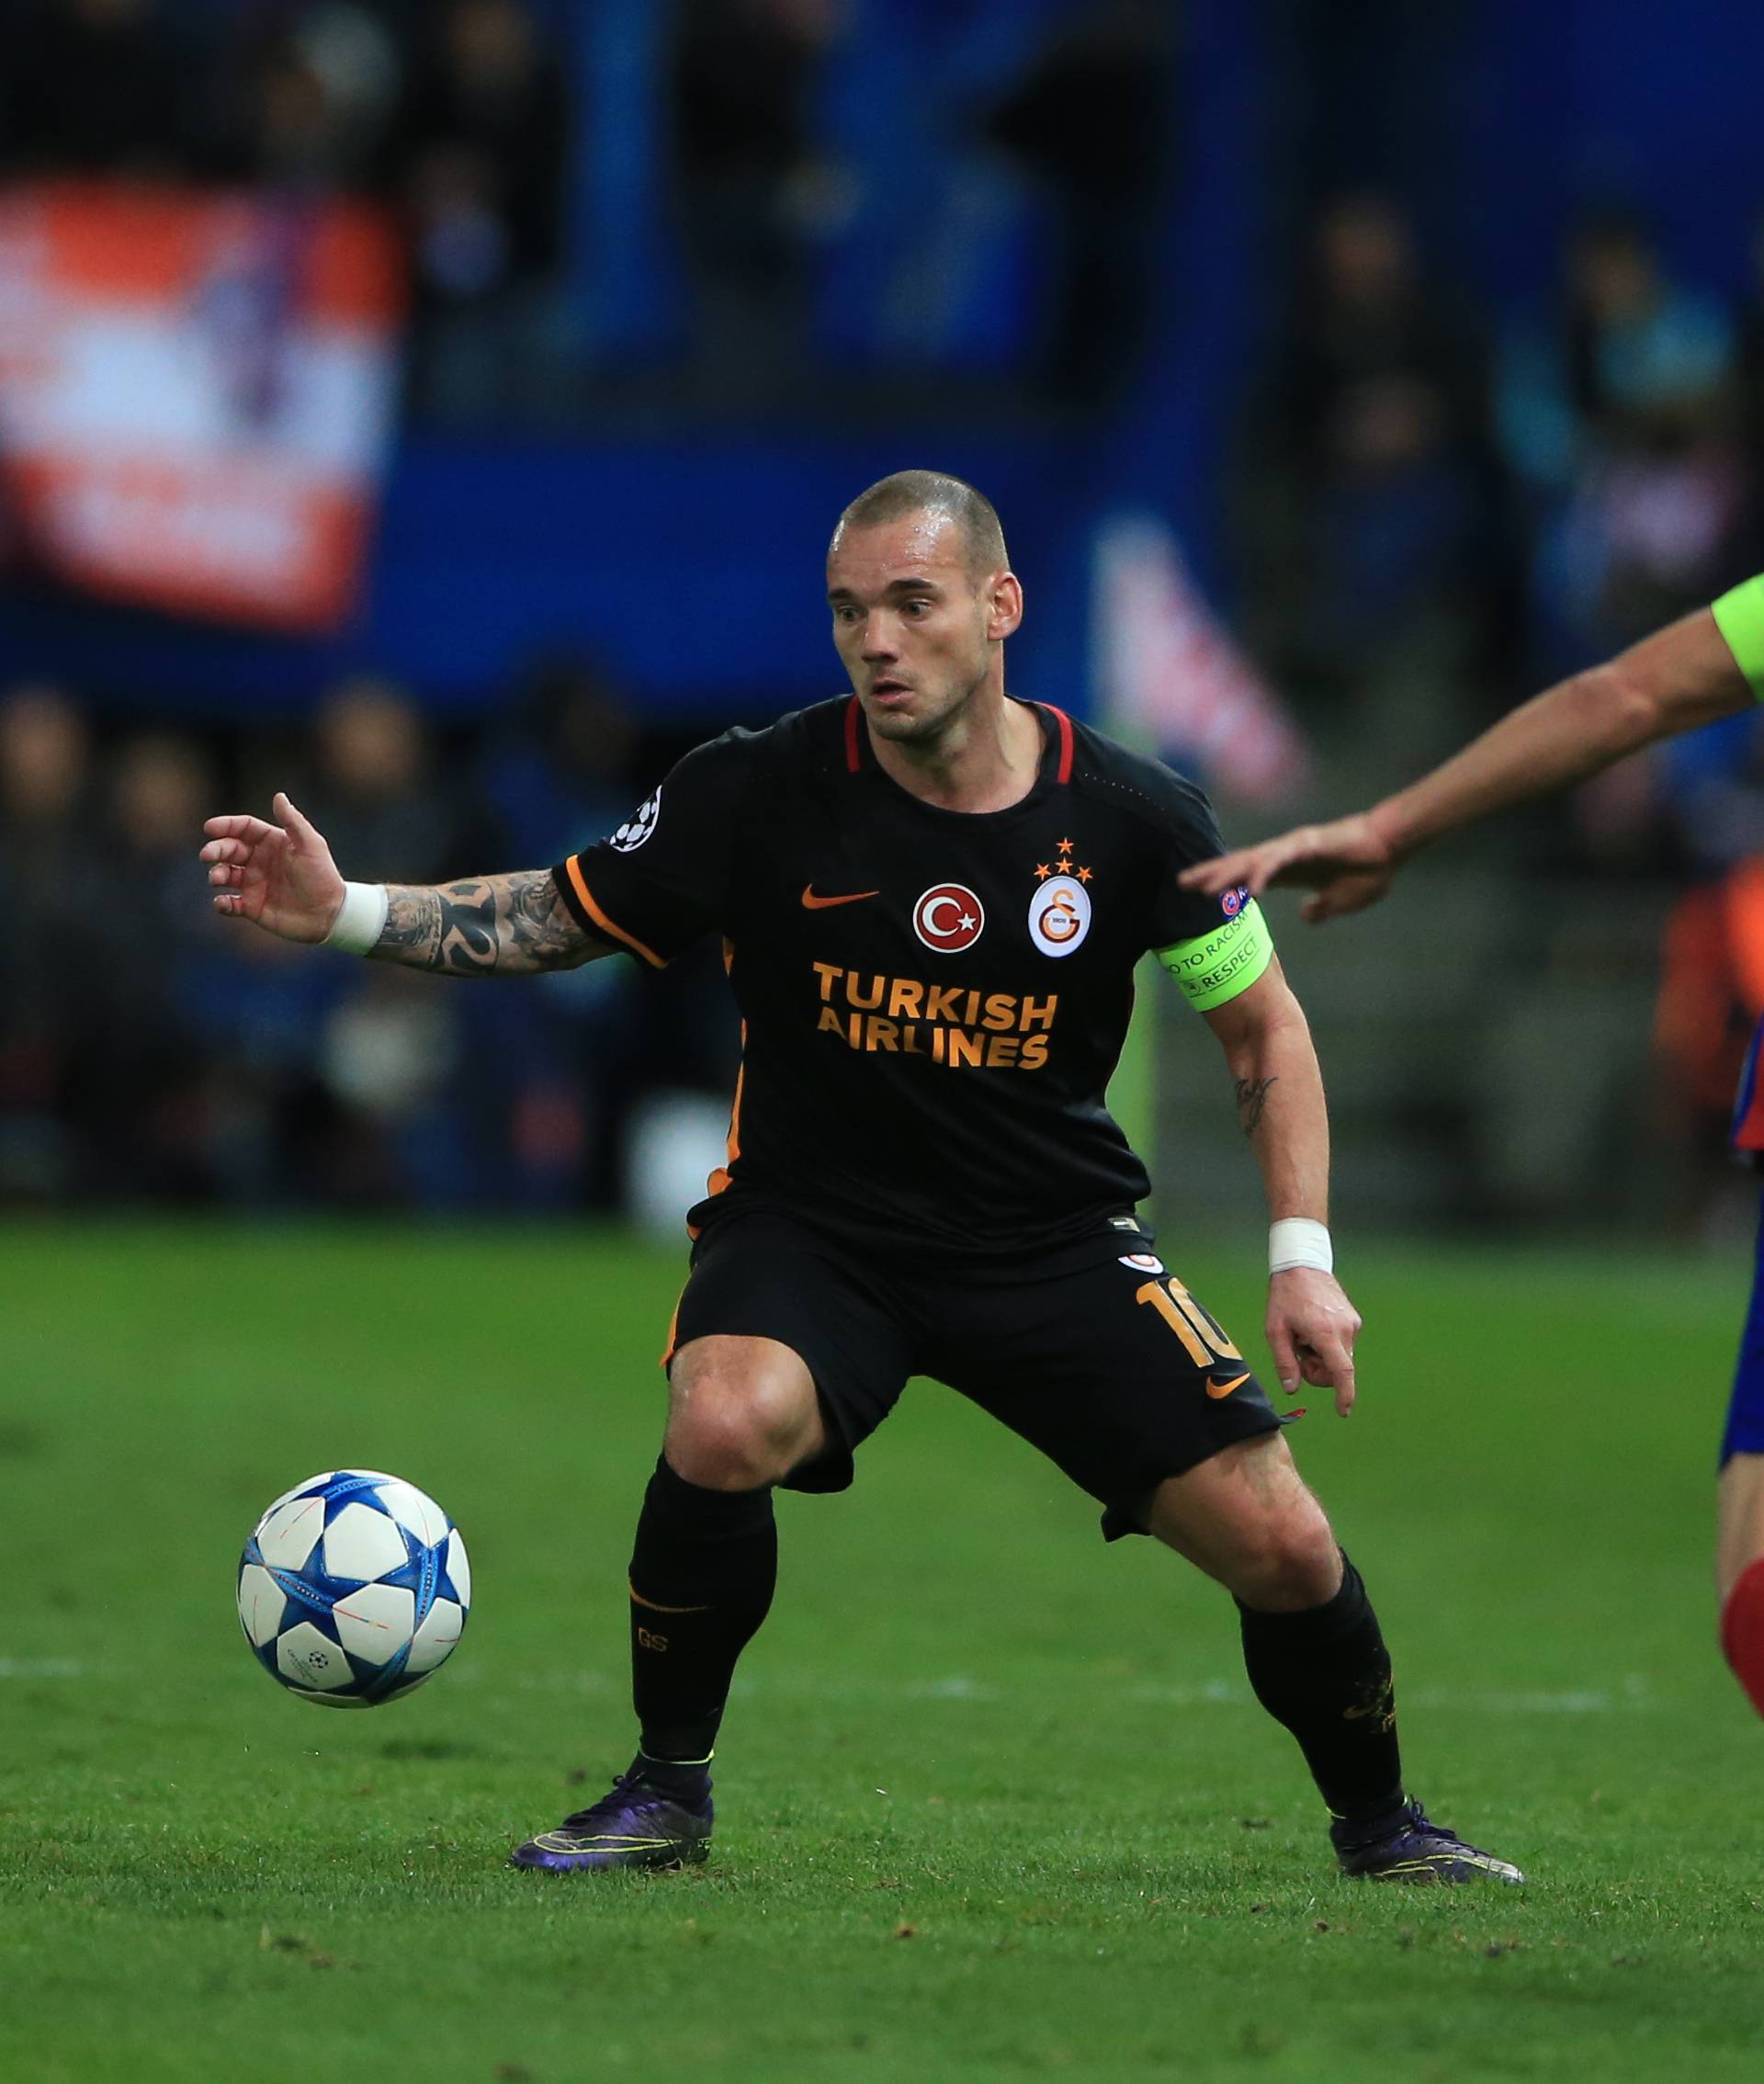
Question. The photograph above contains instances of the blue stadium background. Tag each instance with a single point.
(1079, 254)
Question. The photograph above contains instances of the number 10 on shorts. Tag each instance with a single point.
(1201, 1334)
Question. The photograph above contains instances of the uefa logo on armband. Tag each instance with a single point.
(635, 830)
(1231, 902)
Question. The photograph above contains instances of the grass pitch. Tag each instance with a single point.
(995, 1801)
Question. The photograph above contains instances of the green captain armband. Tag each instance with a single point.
(1214, 967)
(1739, 616)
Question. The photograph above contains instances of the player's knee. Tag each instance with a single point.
(1293, 1564)
(732, 1431)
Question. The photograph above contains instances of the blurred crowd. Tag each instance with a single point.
(1441, 508)
(1437, 505)
(151, 1052)
(543, 157)
(458, 115)
(1443, 493)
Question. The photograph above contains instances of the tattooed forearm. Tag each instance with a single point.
(413, 928)
(504, 925)
(1252, 1097)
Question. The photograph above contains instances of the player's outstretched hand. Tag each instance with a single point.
(280, 878)
(1346, 863)
(1311, 1330)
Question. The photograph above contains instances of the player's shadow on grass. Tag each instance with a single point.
(20, 1442)
(409, 1748)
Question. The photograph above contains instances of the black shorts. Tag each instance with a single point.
(1094, 1353)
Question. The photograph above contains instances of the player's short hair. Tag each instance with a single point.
(932, 492)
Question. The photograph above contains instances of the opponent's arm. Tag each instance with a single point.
(1697, 670)
(1677, 679)
(282, 879)
(1311, 1325)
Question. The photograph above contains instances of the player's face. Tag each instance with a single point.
(917, 629)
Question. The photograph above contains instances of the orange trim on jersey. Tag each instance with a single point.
(735, 1111)
(1065, 723)
(852, 711)
(718, 1181)
(673, 1332)
(601, 920)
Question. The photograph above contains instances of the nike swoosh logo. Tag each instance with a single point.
(1225, 1388)
(813, 903)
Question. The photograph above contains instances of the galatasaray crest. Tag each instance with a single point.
(1060, 915)
(1059, 907)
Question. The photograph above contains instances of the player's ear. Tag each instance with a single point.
(1004, 606)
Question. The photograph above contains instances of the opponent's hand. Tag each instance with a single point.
(1346, 863)
(1311, 1329)
(280, 878)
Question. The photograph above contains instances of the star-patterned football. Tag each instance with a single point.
(353, 1587)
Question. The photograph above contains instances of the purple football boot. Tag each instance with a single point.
(634, 1825)
(1404, 1847)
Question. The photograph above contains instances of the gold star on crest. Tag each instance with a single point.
(1042, 871)
(1084, 875)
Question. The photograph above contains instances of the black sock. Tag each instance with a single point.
(702, 1575)
(1325, 1673)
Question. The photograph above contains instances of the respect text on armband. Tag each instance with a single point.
(1207, 965)
(1210, 980)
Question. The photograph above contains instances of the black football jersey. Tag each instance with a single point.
(933, 1000)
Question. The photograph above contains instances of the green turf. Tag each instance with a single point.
(996, 1802)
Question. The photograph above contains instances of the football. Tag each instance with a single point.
(354, 1589)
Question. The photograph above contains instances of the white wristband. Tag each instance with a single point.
(1296, 1240)
(360, 923)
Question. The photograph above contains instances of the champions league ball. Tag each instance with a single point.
(352, 1589)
